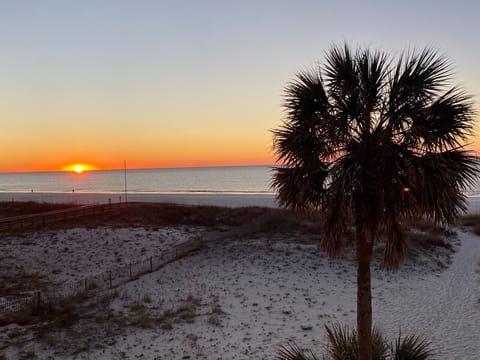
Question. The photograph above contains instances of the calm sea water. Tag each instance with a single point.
(207, 180)
(228, 180)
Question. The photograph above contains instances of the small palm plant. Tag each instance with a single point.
(294, 352)
(343, 345)
(411, 347)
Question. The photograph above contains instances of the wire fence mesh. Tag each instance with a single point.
(108, 279)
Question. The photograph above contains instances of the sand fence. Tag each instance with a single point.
(108, 279)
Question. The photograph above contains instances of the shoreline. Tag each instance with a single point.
(208, 199)
(227, 200)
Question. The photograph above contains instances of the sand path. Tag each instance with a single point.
(445, 307)
(269, 292)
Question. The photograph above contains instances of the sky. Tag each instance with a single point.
(188, 83)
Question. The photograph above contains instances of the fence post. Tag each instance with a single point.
(39, 299)
(110, 278)
(151, 264)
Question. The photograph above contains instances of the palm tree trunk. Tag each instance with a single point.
(364, 247)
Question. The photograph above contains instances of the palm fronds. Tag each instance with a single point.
(294, 352)
(411, 347)
(343, 343)
(377, 139)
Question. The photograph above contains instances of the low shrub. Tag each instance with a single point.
(343, 345)
(411, 347)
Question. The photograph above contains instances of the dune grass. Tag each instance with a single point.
(18, 208)
(471, 222)
(157, 215)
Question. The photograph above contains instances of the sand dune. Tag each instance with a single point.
(268, 290)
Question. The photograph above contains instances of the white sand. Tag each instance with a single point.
(445, 307)
(268, 288)
(270, 291)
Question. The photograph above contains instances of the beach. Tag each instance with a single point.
(149, 150)
(250, 289)
(231, 200)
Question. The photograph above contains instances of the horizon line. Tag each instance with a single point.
(136, 168)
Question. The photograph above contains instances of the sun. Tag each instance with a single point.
(78, 168)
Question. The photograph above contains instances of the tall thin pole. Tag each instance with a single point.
(125, 173)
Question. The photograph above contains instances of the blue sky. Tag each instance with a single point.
(93, 76)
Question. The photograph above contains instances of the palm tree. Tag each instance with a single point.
(376, 140)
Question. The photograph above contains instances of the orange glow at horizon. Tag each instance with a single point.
(78, 168)
(53, 150)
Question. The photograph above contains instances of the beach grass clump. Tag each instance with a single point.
(136, 306)
(471, 222)
(216, 312)
(15, 280)
(429, 239)
(72, 323)
(18, 208)
(143, 320)
(141, 316)
(215, 306)
(61, 312)
(106, 298)
(187, 311)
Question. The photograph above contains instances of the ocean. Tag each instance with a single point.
(203, 180)
(235, 180)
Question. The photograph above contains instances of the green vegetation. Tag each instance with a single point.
(17, 208)
(471, 222)
(76, 323)
(186, 311)
(15, 281)
(343, 345)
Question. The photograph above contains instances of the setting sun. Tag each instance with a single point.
(78, 168)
